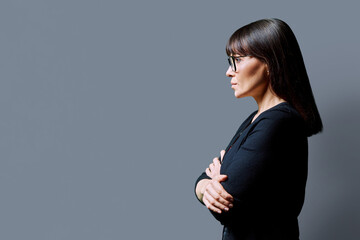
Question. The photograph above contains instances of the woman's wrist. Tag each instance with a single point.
(200, 188)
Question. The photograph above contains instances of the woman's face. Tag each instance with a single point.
(250, 78)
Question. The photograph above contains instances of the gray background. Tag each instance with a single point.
(111, 109)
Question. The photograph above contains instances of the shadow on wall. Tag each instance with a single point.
(332, 209)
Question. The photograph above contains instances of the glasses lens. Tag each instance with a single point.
(232, 63)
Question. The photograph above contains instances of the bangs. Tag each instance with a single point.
(237, 44)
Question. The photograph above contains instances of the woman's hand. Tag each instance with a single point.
(215, 196)
(214, 168)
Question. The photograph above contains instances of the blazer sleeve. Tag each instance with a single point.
(257, 169)
(242, 126)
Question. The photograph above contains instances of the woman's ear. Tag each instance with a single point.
(267, 70)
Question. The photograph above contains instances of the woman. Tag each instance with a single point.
(256, 189)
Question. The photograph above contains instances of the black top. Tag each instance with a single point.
(266, 165)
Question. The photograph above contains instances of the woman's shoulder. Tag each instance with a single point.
(275, 127)
(281, 115)
(283, 110)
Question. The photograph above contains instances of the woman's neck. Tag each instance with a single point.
(266, 101)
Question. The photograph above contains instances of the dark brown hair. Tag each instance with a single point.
(273, 42)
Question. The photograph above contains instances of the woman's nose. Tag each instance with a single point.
(230, 72)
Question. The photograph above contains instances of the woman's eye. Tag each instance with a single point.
(237, 59)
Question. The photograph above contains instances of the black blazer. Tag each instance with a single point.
(266, 165)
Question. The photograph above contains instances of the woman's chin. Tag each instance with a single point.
(239, 95)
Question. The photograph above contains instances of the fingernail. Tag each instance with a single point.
(226, 209)
(219, 211)
(230, 205)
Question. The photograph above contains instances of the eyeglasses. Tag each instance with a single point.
(233, 60)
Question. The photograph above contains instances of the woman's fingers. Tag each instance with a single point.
(222, 153)
(208, 173)
(216, 163)
(213, 204)
(210, 206)
(212, 167)
(221, 191)
(214, 200)
(217, 196)
(220, 178)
